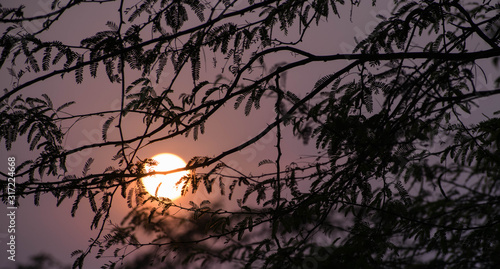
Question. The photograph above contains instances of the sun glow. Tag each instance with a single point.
(164, 185)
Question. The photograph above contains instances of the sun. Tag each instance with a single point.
(164, 185)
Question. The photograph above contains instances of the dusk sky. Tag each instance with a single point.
(50, 229)
(56, 232)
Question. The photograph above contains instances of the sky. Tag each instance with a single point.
(50, 229)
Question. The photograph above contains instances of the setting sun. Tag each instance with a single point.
(164, 185)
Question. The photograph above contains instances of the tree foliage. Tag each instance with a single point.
(405, 175)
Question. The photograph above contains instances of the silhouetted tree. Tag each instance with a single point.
(405, 175)
(42, 261)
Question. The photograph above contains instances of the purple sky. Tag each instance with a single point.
(51, 229)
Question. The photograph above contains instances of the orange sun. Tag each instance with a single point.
(164, 185)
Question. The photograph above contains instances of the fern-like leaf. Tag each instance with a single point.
(292, 97)
(48, 102)
(75, 205)
(46, 58)
(87, 165)
(403, 193)
(58, 56)
(323, 80)
(92, 202)
(162, 61)
(76, 252)
(129, 197)
(35, 141)
(198, 9)
(195, 64)
(110, 66)
(29, 56)
(79, 70)
(249, 104)
(105, 128)
(368, 100)
(239, 100)
(266, 161)
(65, 105)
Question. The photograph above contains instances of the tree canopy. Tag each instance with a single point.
(407, 162)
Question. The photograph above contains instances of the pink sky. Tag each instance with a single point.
(51, 229)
